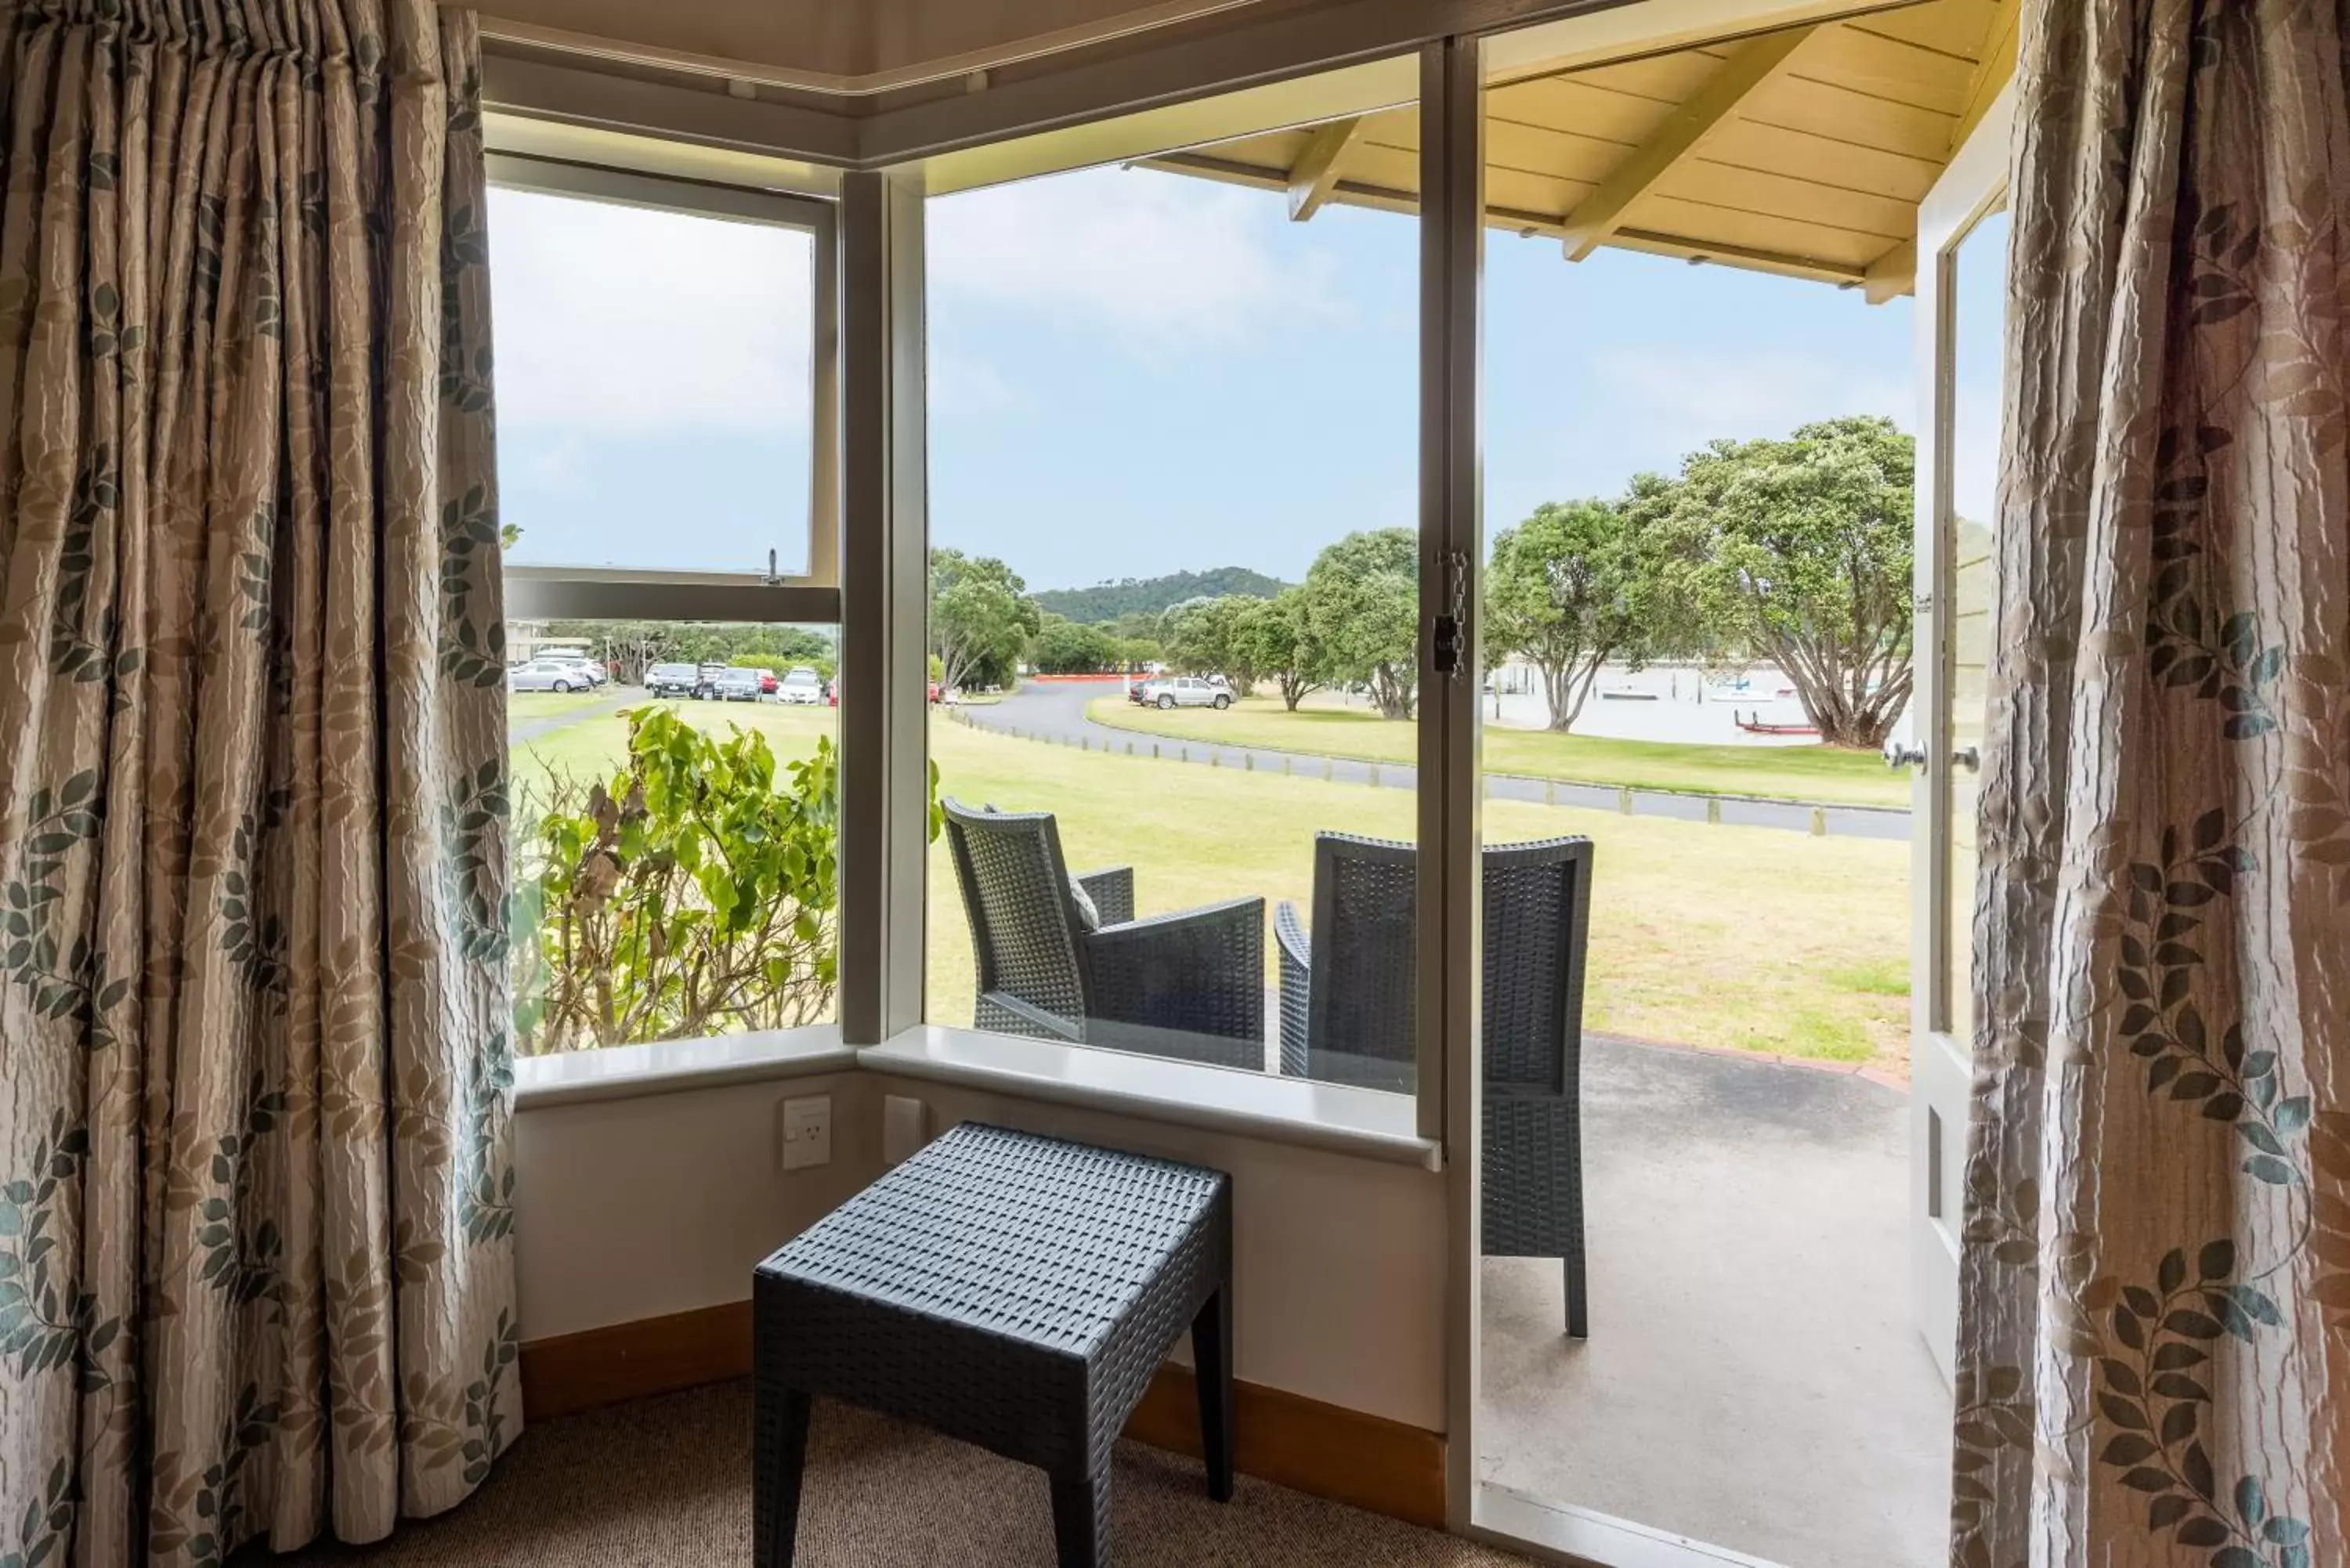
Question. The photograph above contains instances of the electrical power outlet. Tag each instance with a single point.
(807, 1132)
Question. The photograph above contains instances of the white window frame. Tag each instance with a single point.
(628, 593)
(885, 885)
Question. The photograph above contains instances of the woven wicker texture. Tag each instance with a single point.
(1015, 887)
(1013, 1291)
(1348, 993)
(1189, 985)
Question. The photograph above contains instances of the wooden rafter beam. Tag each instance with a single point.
(1892, 274)
(1315, 175)
(1750, 66)
(1517, 220)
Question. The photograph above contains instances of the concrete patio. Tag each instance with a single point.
(1752, 1379)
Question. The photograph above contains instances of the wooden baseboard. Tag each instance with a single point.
(632, 1360)
(1325, 1450)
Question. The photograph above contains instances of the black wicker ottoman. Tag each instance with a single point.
(1012, 1291)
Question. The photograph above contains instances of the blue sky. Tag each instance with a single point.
(1133, 373)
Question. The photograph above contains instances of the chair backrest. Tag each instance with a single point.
(1537, 901)
(1363, 995)
(1360, 1001)
(1015, 893)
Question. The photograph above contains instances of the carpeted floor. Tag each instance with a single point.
(666, 1483)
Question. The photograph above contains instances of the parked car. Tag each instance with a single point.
(548, 675)
(1181, 691)
(734, 686)
(802, 688)
(674, 680)
(767, 681)
(580, 665)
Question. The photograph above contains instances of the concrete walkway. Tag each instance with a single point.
(1754, 1377)
(1055, 711)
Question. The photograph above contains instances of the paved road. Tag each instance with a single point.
(538, 728)
(1055, 711)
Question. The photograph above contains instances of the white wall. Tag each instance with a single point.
(637, 1207)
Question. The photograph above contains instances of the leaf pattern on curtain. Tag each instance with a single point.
(2154, 1356)
(256, 1273)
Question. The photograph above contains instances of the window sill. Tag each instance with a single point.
(1346, 1120)
(675, 1066)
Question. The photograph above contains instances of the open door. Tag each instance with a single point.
(1962, 299)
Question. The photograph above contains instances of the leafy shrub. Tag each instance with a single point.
(694, 893)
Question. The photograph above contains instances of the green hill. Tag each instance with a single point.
(1149, 596)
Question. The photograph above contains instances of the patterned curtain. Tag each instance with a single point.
(2154, 1358)
(255, 1272)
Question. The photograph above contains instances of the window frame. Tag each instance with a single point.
(631, 593)
(1448, 819)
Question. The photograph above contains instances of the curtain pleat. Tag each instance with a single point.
(256, 1275)
(2153, 1357)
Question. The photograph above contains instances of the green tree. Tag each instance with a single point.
(1218, 636)
(1068, 648)
(1571, 588)
(691, 893)
(694, 893)
(981, 617)
(1283, 647)
(1802, 551)
(1362, 610)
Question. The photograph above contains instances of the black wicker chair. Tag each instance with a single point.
(1189, 985)
(1347, 997)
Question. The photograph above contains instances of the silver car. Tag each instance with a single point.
(733, 685)
(548, 675)
(1182, 691)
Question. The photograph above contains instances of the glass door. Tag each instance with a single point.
(1963, 230)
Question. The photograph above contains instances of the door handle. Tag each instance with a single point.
(1899, 755)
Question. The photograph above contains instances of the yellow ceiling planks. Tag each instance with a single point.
(1756, 67)
(1702, 179)
(1888, 68)
(1699, 224)
(1956, 27)
(1837, 114)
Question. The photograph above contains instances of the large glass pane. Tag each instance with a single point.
(1700, 484)
(654, 386)
(1173, 499)
(675, 806)
(1979, 351)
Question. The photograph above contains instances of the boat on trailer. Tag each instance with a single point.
(1754, 724)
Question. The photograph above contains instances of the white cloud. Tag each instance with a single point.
(1156, 257)
(619, 321)
(1693, 395)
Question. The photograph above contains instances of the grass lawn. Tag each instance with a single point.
(1786, 773)
(1735, 937)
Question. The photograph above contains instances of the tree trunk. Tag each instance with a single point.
(1566, 687)
(1556, 688)
(1857, 719)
